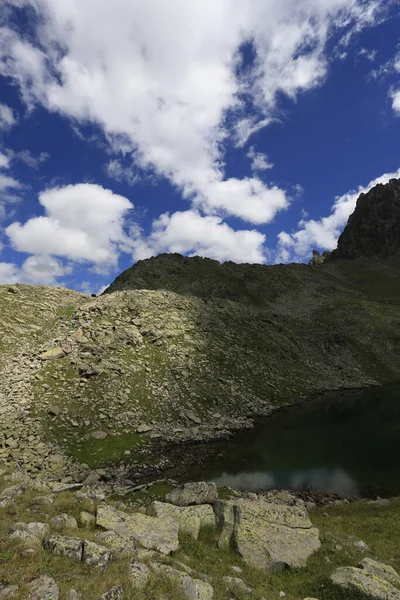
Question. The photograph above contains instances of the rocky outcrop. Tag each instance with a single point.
(373, 230)
(373, 579)
(268, 535)
(150, 532)
(189, 518)
(318, 258)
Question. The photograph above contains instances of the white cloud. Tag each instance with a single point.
(82, 222)
(30, 159)
(259, 161)
(115, 169)
(37, 270)
(7, 183)
(324, 233)
(4, 161)
(162, 78)
(190, 233)
(7, 118)
(396, 101)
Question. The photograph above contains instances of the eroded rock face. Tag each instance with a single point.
(199, 492)
(149, 532)
(189, 518)
(374, 579)
(268, 535)
(373, 230)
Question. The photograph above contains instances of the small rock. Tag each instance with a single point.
(44, 588)
(87, 519)
(64, 521)
(99, 435)
(236, 570)
(191, 415)
(143, 428)
(54, 411)
(95, 555)
(92, 478)
(200, 492)
(236, 586)
(115, 593)
(64, 546)
(139, 574)
(361, 546)
(53, 354)
(282, 594)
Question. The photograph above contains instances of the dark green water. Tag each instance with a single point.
(345, 443)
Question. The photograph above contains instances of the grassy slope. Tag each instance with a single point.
(339, 526)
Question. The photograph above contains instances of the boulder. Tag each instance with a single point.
(87, 519)
(95, 555)
(200, 492)
(64, 521)
(64, 546)
(8, 591)
(225, 520)
(139, 574)
(44, 588)
(29, 533)
(192, 589)
(373, 579)
(122, 545)
(53, 354)
(189, 518)
(237, 587)
(268, 535)
(150, 532)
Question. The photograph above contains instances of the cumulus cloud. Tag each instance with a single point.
(162, 78)
(4, 161)
(396, 101)
(323, 233)
(259, 161)
(7, 118)
(190, 233)
(37, 270)
(82, 222)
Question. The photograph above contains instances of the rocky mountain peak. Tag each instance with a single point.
(373, 230)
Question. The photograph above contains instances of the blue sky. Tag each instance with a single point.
(242, 131)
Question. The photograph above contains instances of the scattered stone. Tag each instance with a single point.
(152, 533)
(115, 593)
(95, 555)
(367, 581)
(139, 574)
(200, 492)
(73, 595)
(87, 519)
(54, 411)
(361, 546)
(64, 521)
(143, 428)
(191, 415)
(236, 586)
(99, 435)
(192, 589)
(64, 546)
(29, 533)
(44, 588)
(236, 570)
(92, 478)
(53, 354)
(189, 518)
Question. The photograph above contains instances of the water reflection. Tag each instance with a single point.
(335, 481)
(344, 442)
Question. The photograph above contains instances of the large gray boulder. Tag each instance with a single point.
(189, 518)
(150, 532)
(44, 588)
(268, 535)
(199, 492)
(374, 579)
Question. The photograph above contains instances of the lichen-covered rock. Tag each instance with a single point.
(192, 589)
(115, 593)
(367, 582)
(87, 519)
(12, 492)
(29, 533)
(189, 518)
(139, 574)
(64, 521)
(53, 354)
(381, 570)
(237, 587)
(199, 492)
(44, 588)
(225, 521)
(95, 555)
(8, 591)
(268, 535)
(122, 546)
(64, 546)
(149, 532)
